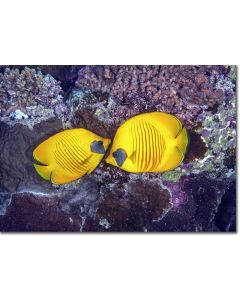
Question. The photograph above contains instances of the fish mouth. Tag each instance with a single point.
(108, 144)
(39, 162)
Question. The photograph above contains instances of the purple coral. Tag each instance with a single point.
(26, 88)
(182, 90)
(179, 197)
(60, 109)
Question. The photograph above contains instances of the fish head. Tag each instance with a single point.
(117, 158)
(120, 150)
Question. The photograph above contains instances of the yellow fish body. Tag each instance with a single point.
(70, 154)
(150, 142)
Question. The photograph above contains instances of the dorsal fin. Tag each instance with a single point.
(168, 122)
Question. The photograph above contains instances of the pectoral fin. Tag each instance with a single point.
(133, 157)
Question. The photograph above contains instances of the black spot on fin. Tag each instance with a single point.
(97, 147)
(120, 156)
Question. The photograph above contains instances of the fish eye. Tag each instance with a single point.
(120, 156)
(97, 147)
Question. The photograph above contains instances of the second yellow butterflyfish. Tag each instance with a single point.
(70, 154)
(149, 142)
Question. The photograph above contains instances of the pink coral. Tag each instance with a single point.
(182, 90)
(27, 88)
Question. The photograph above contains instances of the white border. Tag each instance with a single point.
(146, 266)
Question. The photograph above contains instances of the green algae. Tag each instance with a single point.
(173, 175)
(221, 129)
(233, 73)
(221, 137)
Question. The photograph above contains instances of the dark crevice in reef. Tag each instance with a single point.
(230, 159)
(66, 74)
(225, 218)
(196, 149)
(214, 108)
(85, 118)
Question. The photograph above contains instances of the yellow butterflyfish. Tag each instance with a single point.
(70, 154)
(149, 142)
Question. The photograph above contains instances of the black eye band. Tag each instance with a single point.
(97, 147)
(120, 156)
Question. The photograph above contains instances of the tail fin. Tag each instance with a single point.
(181, 140)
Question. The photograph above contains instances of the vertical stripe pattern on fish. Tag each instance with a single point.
(150, 142)
(69, 155)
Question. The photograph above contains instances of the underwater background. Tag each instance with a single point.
(39, 101)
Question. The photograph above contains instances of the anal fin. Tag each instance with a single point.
(60, 178)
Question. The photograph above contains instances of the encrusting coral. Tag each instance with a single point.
(182, 90)
(28, 94)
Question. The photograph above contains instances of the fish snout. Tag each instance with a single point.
(108, 159)
(106, 143)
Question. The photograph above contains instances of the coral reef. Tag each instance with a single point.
(28, 94)
(66, 74)
(198, 196)
(182, 90)
(82, 201)
(133, 207)
(203, 196)
(28, 212)
(225, 218)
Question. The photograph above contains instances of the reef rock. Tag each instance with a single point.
(29, 212)
(134, 207)
(17, 143)
(28, 94)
